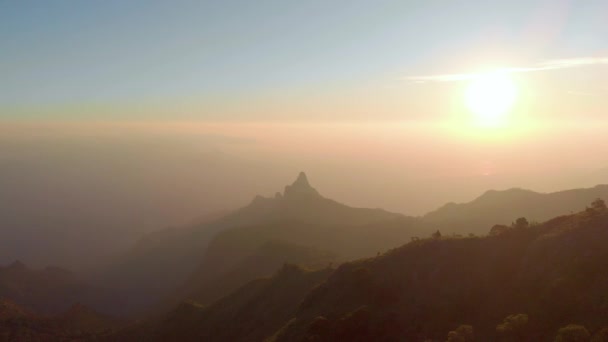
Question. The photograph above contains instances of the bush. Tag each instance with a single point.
(521, 222)
(498, 229)
(598, 205)
(463, 333)
(572, 333)
(514, 326)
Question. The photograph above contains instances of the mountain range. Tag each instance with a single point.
(521, 285)
(503, 207)
(326, 271)
(201, 253)
(191, 262)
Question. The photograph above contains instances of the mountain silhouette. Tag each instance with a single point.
(165, 260)
(194, 257)
(299, 216)
(546, 275)
(554, 272)
(300, 187)
(503, 207)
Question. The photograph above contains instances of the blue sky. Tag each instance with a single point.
(120, 54)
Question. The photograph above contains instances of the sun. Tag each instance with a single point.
(490, 97)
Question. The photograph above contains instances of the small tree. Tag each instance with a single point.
(463, 333)
(436, 235)
(513, 326)
(598, 205)
(498, 229)
(521, 222)
(572, 333)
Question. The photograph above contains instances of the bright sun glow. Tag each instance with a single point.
(490, 97)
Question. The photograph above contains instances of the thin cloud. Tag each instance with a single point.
(554, 64)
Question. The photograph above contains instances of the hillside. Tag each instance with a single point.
(251, 313)
(52, 290)
(522, 284)
(502, 207)
(163, 261)
(200, 254)
(76, 324)
(263, 262)
(553, 273)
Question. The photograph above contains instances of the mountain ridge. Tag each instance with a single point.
(504, 206)
(171, 257)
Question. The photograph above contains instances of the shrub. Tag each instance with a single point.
(572, 333)
(521, 222)
(463, 333)
(498, 229)
(514, 326)
(598, 204)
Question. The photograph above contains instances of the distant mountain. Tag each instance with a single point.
(503, 207)
(298, 216)
(79, 323)
(51, 290)
(163, 261)
(203, 254)
(301, 202)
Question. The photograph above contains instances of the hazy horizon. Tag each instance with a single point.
(208, 167)
(400, 105)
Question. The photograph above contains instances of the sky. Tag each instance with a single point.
(312, 83)
(287, 60)
(123, 117)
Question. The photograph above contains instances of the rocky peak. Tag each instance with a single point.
(301, 186)
(301, 181)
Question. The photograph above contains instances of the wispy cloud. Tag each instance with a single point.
(554, 64)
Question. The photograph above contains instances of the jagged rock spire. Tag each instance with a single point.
(300, 186)
(299, 189)
(301, 181)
